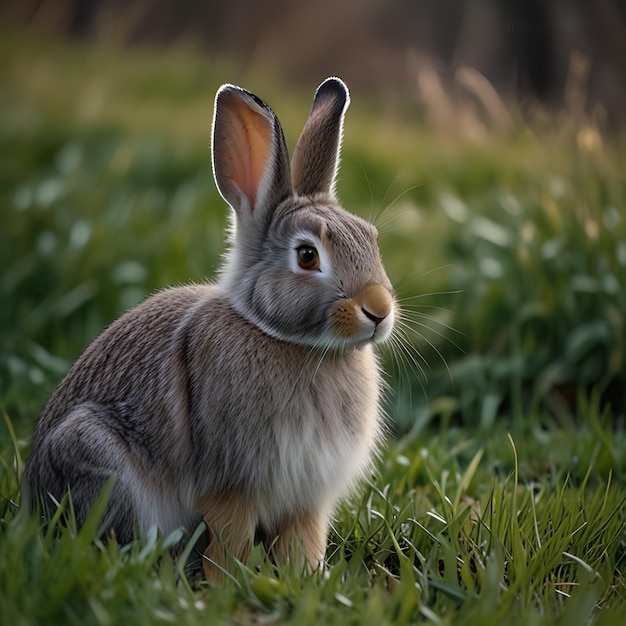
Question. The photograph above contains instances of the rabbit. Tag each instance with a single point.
(252, 403)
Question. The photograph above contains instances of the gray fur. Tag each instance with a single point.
(252, 402)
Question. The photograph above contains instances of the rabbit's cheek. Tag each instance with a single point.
(349, 324)
(344, 321)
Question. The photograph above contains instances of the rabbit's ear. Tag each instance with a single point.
(316, 155)
(250, 160)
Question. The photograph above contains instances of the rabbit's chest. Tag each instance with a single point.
(292, 438)
(321, 444)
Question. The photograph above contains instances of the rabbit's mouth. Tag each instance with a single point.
(366, 317)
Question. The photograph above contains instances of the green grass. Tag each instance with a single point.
(500, 497)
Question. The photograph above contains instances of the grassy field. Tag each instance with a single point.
(500, 496)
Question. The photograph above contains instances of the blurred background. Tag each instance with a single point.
(485, 139)
(527, 50)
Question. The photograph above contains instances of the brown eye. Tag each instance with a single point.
(308, 258)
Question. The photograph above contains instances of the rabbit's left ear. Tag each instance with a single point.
(316, 156)
(250, 160)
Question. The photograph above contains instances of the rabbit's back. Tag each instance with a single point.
(122, 411)
(135, 361)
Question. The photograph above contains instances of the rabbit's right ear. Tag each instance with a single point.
(250, 160)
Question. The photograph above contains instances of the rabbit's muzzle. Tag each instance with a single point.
(367, 316)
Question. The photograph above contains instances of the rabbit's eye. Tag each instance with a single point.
(308, 258)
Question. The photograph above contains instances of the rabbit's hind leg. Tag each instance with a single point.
(82, 452)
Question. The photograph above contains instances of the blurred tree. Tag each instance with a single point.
(82, 18)
(531, 48)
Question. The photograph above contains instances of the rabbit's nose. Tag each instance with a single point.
(375, 318)
(376, 302)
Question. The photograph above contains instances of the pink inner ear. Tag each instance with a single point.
(250, 141)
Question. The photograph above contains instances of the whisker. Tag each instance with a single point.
(403, 327)
(423, 274)
(414, 355)
(369, 188)
(431, 294)
(305, 370)
(385, 231)
(404, 290)
(388, 206)
(430, 343)
(414, 307)
(319, 362)
(409, 326)
(411, 315)
(406, 360)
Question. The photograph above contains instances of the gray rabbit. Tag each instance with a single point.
(251, 402)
